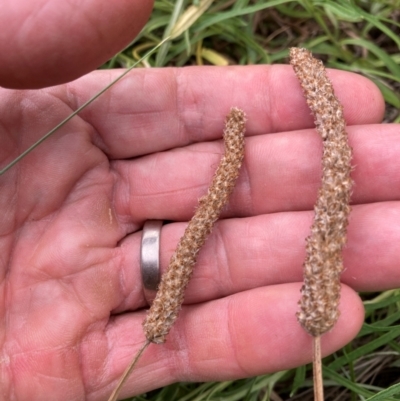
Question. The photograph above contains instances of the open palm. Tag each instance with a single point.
(72, 211)
(71, 295)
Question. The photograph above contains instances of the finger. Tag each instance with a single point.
(60, 41)
(250, 333)
(281, 172)
(158, 109)
(242, 254)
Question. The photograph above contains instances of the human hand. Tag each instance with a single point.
(49, 42)
(72, 301)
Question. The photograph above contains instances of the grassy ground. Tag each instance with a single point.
(359, 36)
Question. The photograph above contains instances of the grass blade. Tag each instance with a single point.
(72, 115)
(384, 394)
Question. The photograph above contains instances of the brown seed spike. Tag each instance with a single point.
(323, 265)
(169, 298)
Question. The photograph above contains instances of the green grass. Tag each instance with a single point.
(366, 369)
(359, 371)
(358, 36)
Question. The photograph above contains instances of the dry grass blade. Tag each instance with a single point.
(189, 17)
(84, 105)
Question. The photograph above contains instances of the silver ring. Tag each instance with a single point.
(150, 258)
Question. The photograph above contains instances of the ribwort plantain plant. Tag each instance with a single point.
(319, 303)
(170, 294)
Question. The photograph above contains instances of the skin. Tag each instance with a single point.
(71, 302)
(48, 42)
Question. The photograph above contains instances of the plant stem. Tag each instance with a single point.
(128, 371)
(317, 370)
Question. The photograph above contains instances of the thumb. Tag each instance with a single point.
(49, 42)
